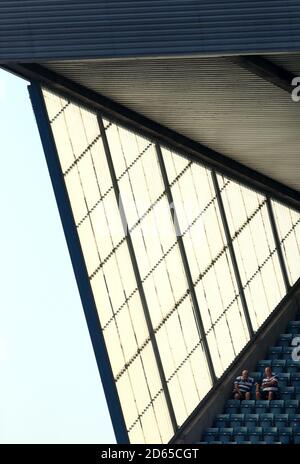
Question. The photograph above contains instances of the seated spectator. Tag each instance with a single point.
(267, 389)
(243, 386)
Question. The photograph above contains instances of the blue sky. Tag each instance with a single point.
(50, 387)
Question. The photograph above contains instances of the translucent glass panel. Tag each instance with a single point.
(143, 401)
(204, 240)
(134, 260)
(102, 237)
(255, 249)
(164, 281)
(288, 226)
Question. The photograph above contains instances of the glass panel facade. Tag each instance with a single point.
(288, 226)
(153, 235)
(204, 240)
(156, 269)
(255, 249)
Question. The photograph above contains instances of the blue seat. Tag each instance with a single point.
(287, 393)
(296, 434)
(291, 406)
(297, 393)
(270, 434)
(283, 379)
(292, 366)
(260, 442)
(251, 420)
(236, 420)
(281, 420)
(285, 435)
(266, 420)
(247, 406)
(287, 352)
(255, 434)
(225, 434)
(285, 339)
(279, 365)
(222, 420)
(262, 406)
(245, 443)
(261, 365)
(240, 434)
(275, 352)
(294, 327)
(211, 434)
(295, 379)
(256, 375)
(233, 406)
(294, 420)
(277, 406)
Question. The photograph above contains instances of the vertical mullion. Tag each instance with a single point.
(199, 322)
(232, 253)
(278, 245)
(137, 276)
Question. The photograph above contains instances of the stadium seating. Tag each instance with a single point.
(260, 421)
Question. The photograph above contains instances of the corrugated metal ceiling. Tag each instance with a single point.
(209, 100)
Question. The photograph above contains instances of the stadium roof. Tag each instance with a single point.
(218, 73)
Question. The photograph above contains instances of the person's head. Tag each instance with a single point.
(245, 374)
(268, 371)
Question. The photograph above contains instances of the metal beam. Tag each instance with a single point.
(232, 254)
(78, 262)
(186, 267)
(138, 278)
(267, 70)
(158, 133)
(278, 245)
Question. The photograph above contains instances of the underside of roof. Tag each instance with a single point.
(210, 100)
